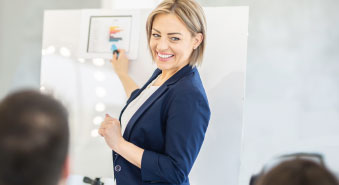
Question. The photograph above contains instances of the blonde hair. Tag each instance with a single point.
(191, 14)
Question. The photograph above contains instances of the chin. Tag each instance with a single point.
(163, 66)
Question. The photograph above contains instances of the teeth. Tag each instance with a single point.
(164, 56)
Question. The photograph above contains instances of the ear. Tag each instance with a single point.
(198, 38)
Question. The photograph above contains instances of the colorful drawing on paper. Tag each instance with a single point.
(105, 31)
(113, 34)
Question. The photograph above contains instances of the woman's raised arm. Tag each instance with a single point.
(120, 66)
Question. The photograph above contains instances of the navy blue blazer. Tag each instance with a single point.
(170, 126)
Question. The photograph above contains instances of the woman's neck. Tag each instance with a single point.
(165, 75)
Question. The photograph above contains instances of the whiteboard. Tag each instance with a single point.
(89, 88)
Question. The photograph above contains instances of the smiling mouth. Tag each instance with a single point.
(165, 56)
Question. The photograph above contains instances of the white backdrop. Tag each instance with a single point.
(89, 88)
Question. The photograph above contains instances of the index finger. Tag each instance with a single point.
(114, 58)
(122, 51)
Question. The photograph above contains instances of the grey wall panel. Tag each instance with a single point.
(21, 38)
(292, 83)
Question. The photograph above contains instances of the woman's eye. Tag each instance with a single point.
(156, 35)
(175, 38)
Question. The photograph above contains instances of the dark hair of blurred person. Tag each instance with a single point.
(298, 172)
(34, 139)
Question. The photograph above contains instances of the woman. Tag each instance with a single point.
(164, 122)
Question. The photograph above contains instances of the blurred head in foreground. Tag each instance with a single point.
(34, 139)
(298, 172)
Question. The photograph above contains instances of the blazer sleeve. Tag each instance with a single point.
(186, 124)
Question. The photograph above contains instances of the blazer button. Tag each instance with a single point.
(117, 168)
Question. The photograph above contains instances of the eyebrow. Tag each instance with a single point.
(174, 33)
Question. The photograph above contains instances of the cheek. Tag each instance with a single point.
(185, 50)
(152, 45)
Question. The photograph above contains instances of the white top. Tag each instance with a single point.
(132, 108)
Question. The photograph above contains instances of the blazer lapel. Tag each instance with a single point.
(142, 109)
(154, 75)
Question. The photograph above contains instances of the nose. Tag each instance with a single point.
(162, 44)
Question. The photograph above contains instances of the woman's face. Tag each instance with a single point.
(171, 43)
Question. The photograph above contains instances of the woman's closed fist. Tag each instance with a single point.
(110, 129)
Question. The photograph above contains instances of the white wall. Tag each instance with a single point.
(129, 4)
